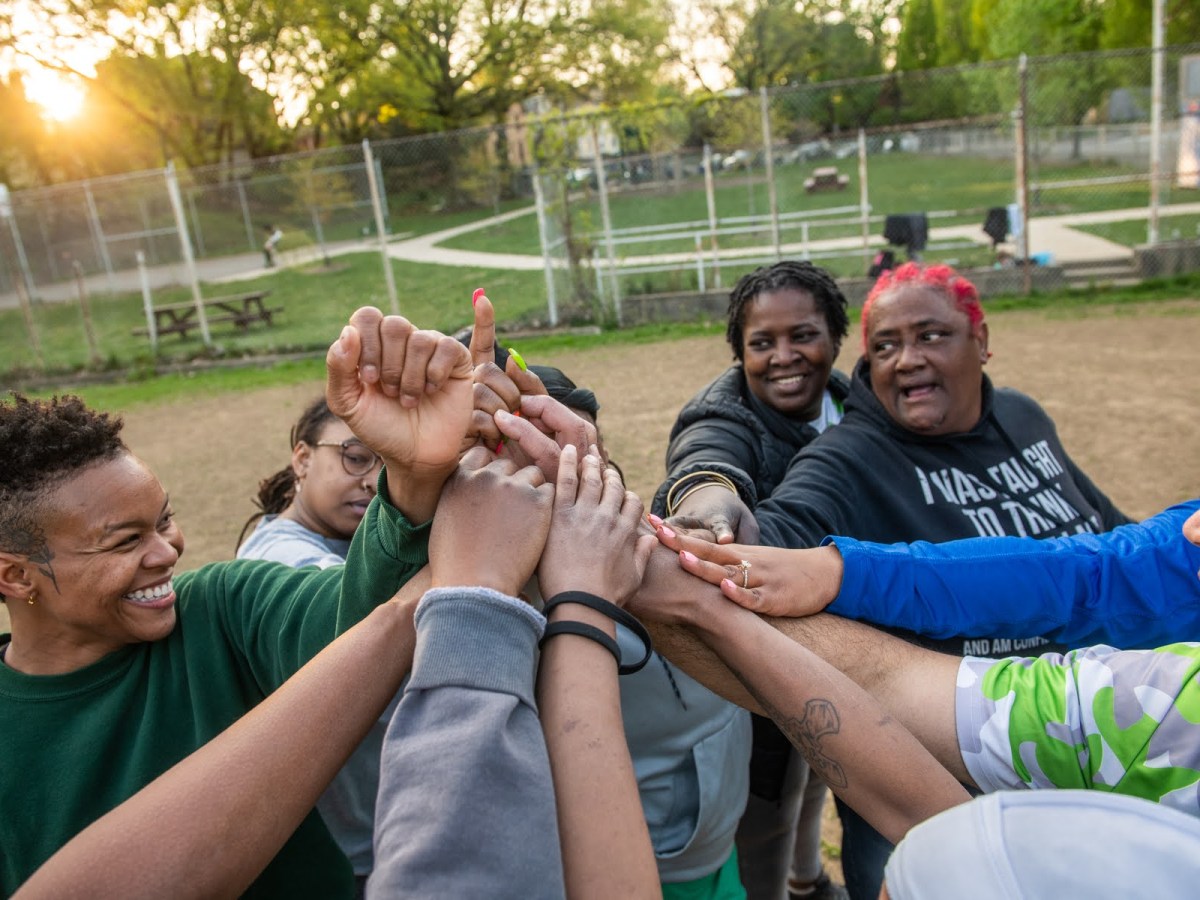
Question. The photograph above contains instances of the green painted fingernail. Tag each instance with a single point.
(517, 356)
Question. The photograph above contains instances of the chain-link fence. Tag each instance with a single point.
(680, 196)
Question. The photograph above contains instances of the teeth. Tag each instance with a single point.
(149, 595)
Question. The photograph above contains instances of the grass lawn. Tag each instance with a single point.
(1133, 231)
(315, 302)
(897, 183)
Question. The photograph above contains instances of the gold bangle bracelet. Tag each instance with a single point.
(692, 482)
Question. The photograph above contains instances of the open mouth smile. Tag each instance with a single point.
(156, 595)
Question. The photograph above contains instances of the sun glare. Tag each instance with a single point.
(60, 98)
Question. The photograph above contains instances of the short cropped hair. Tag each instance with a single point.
(42, 444)
(941, 278)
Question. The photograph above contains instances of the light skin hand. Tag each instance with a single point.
(594, 545)
(491, 524)
(545, 426)
(785, 583)
(718, 511)
(407, 395)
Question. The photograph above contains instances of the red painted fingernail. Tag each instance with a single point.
(479, 292)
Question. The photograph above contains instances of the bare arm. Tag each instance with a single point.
(297, 738)
(594, 547)
(914, 685)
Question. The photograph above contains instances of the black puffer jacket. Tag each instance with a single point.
(726, 429)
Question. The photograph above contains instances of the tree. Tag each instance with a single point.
(918, 47)
(1127, 23)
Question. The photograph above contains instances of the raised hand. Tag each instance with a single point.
(594, 544)
(494, 388)
(406, 394)
(490, 524)
(765, 580)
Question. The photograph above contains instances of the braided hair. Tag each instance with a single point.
(799, 275)
(276, 492)
(42, 444)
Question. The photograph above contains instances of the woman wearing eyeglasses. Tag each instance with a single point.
(309, 511)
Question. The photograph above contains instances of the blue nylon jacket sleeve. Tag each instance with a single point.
(1133, 587)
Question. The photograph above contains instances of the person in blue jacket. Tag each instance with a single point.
(1133, 587)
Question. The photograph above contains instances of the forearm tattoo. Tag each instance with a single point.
(820, 719)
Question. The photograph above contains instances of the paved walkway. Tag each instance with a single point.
(1054, 234)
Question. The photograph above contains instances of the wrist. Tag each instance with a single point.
(577, 612)
(695, 482)
(415, 492)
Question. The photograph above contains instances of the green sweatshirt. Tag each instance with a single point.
(74, 746)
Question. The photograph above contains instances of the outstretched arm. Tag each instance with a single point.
(593, 547)
(295, 740)
(688, 618)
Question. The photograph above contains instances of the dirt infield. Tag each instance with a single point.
(1120, 383)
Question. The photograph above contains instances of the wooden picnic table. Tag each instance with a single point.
(827, 178)
(243, 310)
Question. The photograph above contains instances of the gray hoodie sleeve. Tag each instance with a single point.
(466, 802)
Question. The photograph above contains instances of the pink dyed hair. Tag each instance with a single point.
(941, 278)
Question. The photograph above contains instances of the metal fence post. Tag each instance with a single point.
(197, 231)
(8, 212)
(98, 236)
(241, 189)
(1022, 168)
(710, 195)
(864, 203)
(772, 198)
(185, 247)
(1156, 115)
(539, 198)
(606, 221)
(147, 302)
(377, 205)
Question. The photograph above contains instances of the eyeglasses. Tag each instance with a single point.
(357, 457)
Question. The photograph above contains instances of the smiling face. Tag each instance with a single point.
(787, 352)
(328, 500)
(102, 578)
(926, 360)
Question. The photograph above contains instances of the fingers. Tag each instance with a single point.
(558, 420)
(728, 577)
(494, 389)
(566, 486)
(366, 320)
(450, 359)
(670, 535)
(527, 382)
(539, 448)
(476, 458)
(483, 335)
(342, 387)
(721, 529)
(591, 481)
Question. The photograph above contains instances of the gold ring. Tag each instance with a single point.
(745, 567)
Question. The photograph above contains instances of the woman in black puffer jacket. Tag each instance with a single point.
(786, 325)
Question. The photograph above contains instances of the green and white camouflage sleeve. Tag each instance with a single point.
(1126, 721)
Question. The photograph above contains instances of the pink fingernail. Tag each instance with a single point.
(727, 583)
(479, 292)
(688, 557)
(668, 532)
(654, 520)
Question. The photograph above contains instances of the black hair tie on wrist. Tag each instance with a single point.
(614, 612)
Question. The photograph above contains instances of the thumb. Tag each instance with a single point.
(720, 528)
(342, 385)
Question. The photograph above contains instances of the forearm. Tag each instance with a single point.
(868, 758)
(248, 789)
(605, 842)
